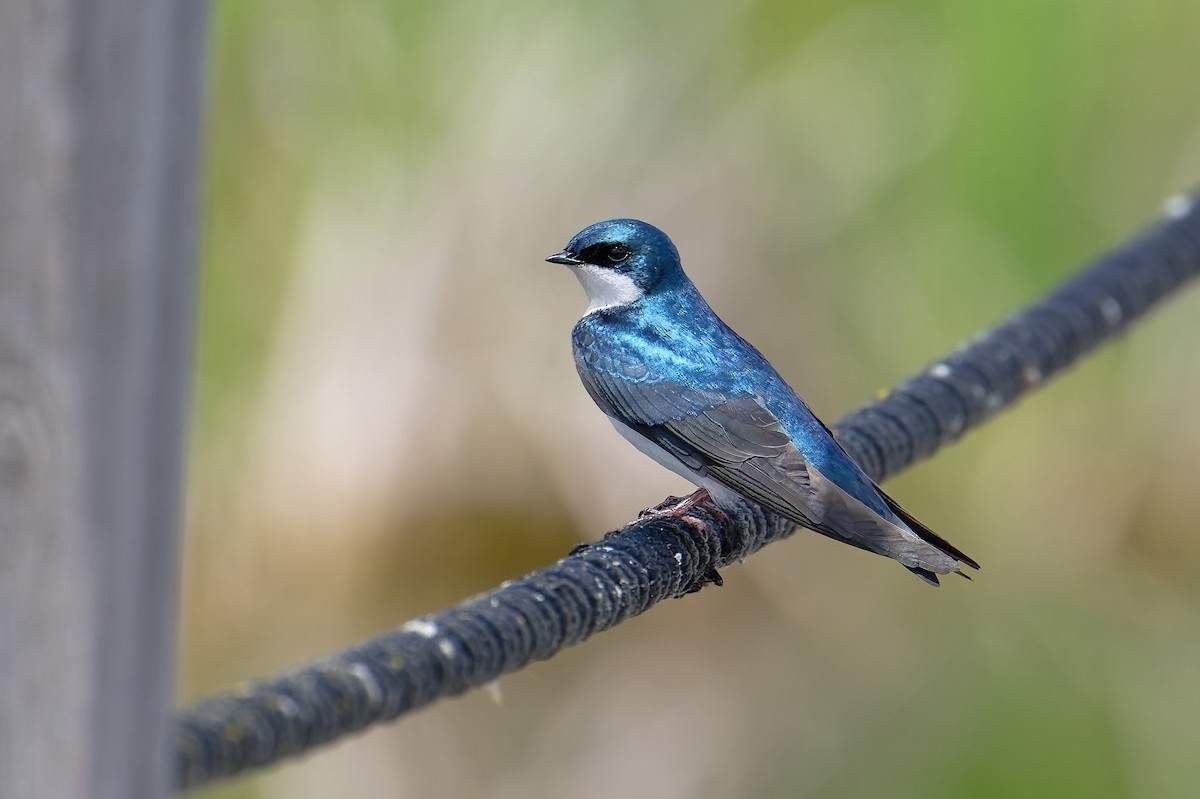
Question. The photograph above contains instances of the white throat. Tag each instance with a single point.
(606, 288)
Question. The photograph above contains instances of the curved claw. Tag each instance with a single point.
(677, 508)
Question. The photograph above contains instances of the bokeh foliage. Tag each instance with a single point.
(388, 419)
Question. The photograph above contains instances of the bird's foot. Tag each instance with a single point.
(668, 507)
(713, 577)
(679, 507)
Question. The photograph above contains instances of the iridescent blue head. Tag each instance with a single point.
(620, 261)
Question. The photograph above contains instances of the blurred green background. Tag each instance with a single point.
(388, 418)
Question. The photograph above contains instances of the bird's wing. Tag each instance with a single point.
(734, 440)
(740, 444)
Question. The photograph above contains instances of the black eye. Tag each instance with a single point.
(616, 253)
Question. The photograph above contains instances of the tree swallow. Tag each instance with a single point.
(686, 390)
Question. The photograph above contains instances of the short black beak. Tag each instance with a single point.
(564, 258)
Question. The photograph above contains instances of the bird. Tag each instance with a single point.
(686, 390)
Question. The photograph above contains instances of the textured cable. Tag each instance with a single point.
(629, 570)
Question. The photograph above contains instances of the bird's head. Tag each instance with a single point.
(620, 261)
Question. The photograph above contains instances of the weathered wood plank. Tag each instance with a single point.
(99, 110)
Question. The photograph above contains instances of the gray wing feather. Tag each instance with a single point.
(845, 517)
(734, 440)
(645, 403)
(739, 443)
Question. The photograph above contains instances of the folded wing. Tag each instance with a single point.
(739, 443)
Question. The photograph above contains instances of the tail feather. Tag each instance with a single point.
(926, 575)
(927, 535)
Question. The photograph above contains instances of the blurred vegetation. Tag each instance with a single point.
(388, 420)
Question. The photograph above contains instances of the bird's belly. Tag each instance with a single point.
(721, 494)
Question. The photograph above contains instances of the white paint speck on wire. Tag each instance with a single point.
(1178, 206)
(423, 628)
(1111, 310)
(364, 676)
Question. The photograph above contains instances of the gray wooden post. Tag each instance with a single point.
(99, 120)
